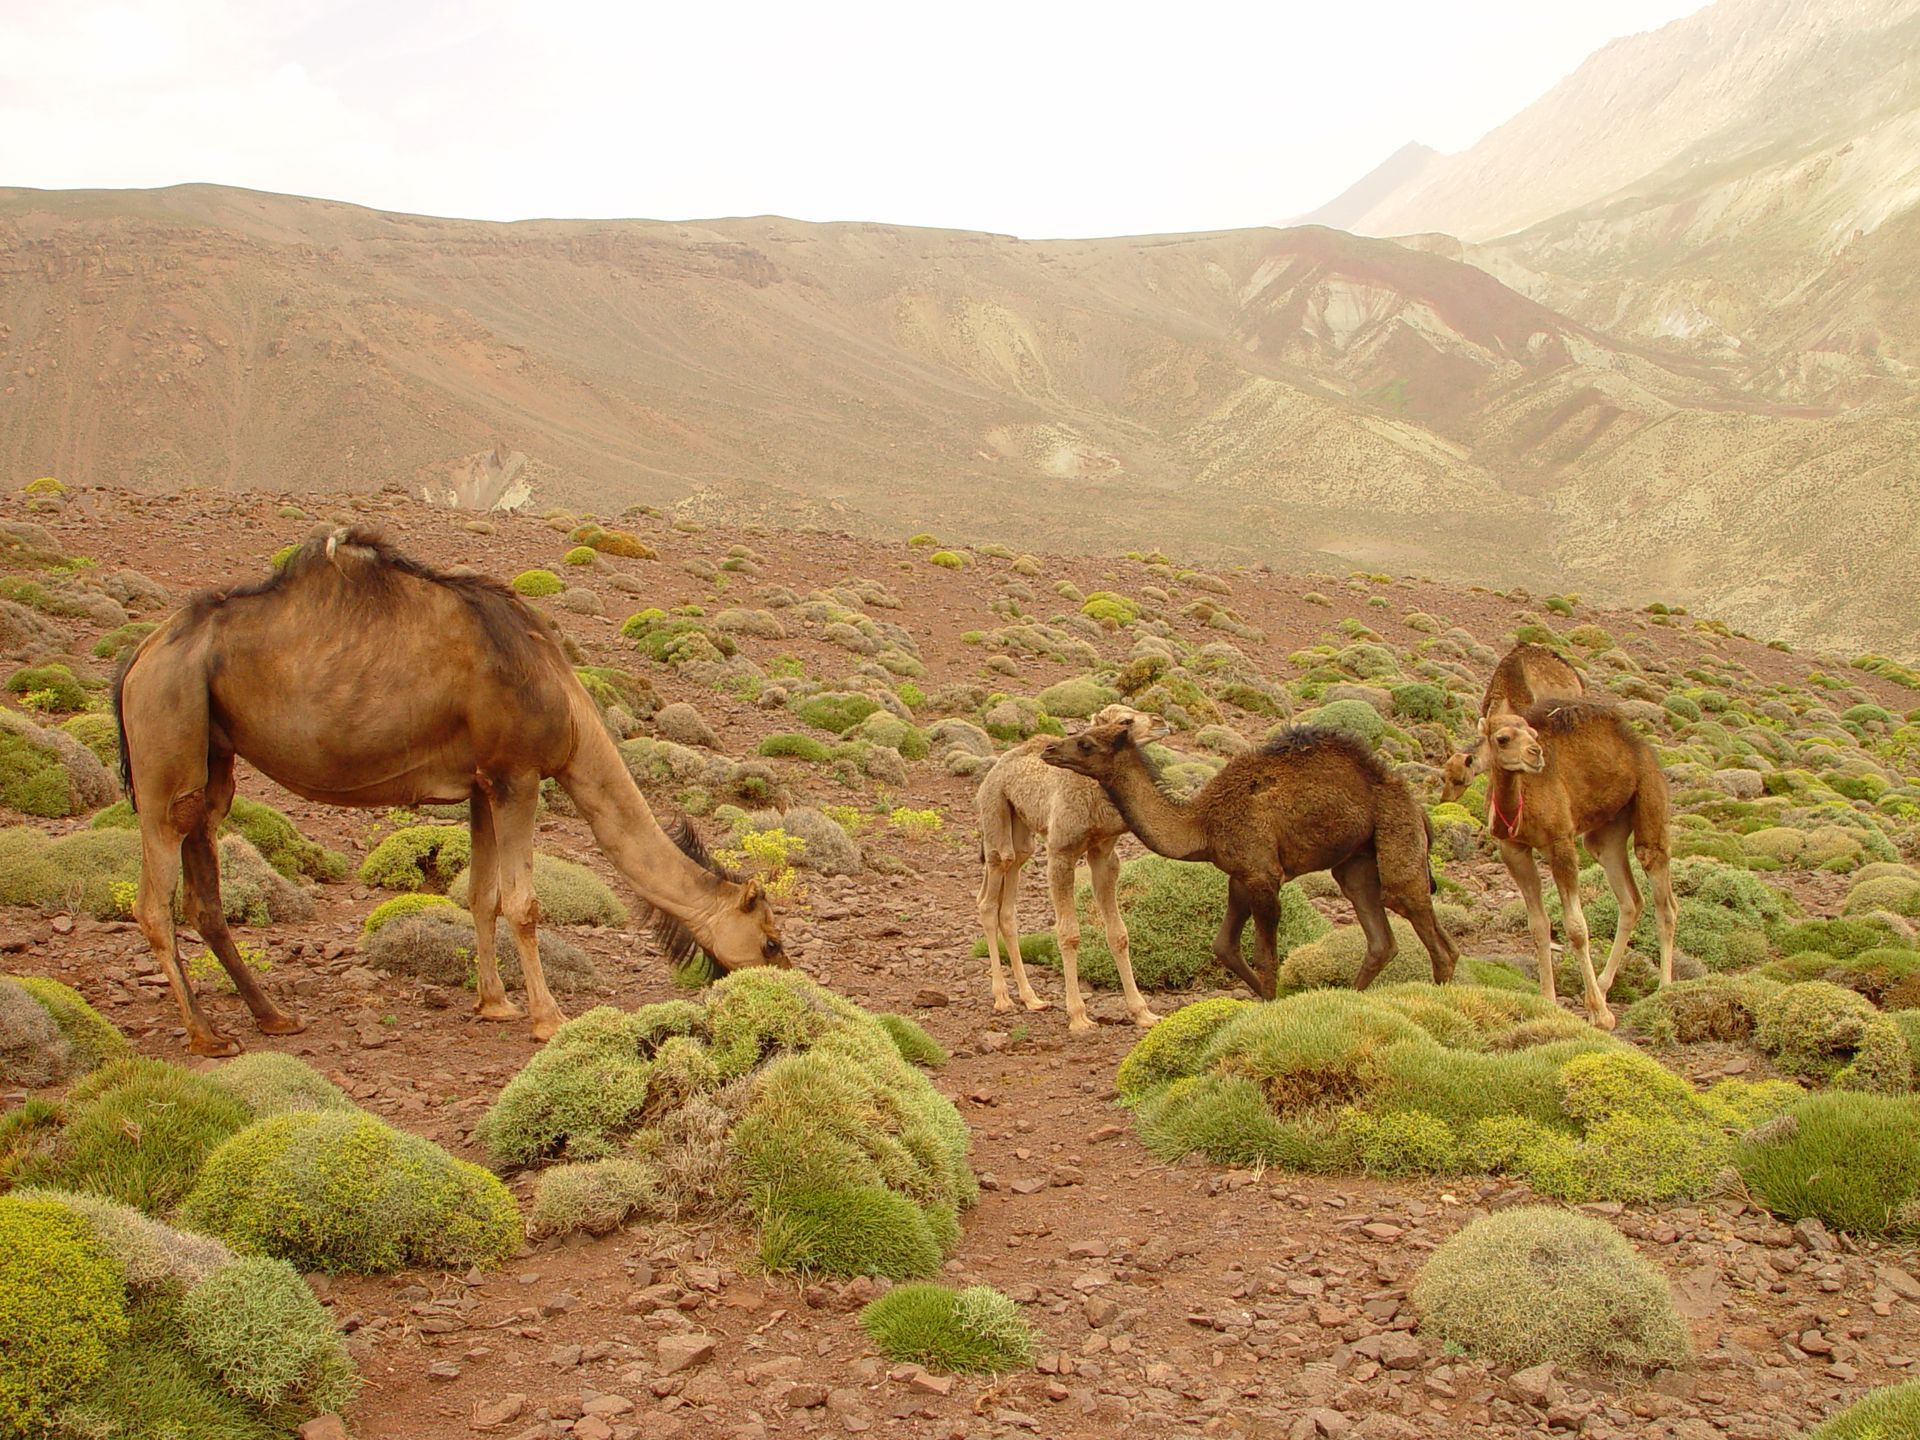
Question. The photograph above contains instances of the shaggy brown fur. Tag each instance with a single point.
(1526, 673)
(1575, 768)
(1311, 799)
(356, 676)
(1021, 799)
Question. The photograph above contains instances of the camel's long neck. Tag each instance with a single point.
(623, 826)
(1506, 803)
(1163, 825)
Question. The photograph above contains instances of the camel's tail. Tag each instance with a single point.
(120, 724)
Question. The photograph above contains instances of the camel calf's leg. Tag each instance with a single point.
(483, 899)
(1526, 875)
(513, 809)
(1105, 867)
(994, 878)
(161, 835)
(1066, 930)
(1565, 864)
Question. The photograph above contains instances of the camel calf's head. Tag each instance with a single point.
(1459, 771)
(1096, 751)
(1513, 744)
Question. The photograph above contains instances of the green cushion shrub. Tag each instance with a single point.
(256, 1326)
(538, 584)
(1534, 1284)
(1850, 1160)
(62, 1311)
(569, 894)
(91, 1036)
(771, 1094)
(975, 1331)
(270, 1082)
(401, 906)
(1886, 1414)
(418, 857)
(338, 1190)
(137, 1131)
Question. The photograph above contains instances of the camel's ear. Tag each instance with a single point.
(750, 893)
(1142, 728)
(1486, 727)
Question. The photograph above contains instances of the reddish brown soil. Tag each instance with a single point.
(1181, 1299)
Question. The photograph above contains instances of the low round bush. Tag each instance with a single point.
(977, 1330)
(62, 1312)
(1889, 1414)
(256, 1326)
(436, 946)
(1536, 1284)
(33, 1052)
(569, 894)
(538, 583)
(1172, 1048)
(91, 1036)
(913, 1042)
(773, 1097)
(1849, 1160)
(151, 1256)
(1819, 1031)
(269, 1082)
(137, 1131)
(401, 906)
(418, 857)
(340, 1191)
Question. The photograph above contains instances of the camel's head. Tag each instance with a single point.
(744, 930)
(1513, 743)
(738, 930)
(1096, 750)
(1460, 771)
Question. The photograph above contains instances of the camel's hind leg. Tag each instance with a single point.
(1666, 909)
(999, 909)
(513, 802)
(161, 834)
(483, 899)
(1609, 847)
(1358, 877)
(1526, 875)
(205, 910)
(1066, 932)
(1565, 864)
(1105, 868)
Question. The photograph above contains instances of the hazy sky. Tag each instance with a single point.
(1035, 118)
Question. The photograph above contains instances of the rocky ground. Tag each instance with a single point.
(1170, 1298)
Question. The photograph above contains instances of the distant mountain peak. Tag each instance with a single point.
(1398, 171)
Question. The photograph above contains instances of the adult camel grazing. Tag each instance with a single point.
(1572, 768)
(1309, 799)
(1525, 674)
(357, 676)
(1022, 799)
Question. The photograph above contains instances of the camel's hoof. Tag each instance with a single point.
(280, 1024)
(498, 1010)
(545, 1026)
(1034, 1002)
(1145, 1019)
(1002, 1003)
(1602, 1018)
(213, 1044)
(1080, 1025)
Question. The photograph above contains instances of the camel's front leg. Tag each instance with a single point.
(1105, 868)
(1226, 941)
(1566, 879)
(1519, 861)
(483, 899)
(1266, 928)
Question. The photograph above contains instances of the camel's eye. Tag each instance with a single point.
(771, 947)
(1086, 747)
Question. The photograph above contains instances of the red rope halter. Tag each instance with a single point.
(1496, 819)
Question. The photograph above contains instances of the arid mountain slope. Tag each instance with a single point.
(1301, 396)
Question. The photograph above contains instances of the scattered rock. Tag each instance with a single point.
(504, 1411)
(683, 1352)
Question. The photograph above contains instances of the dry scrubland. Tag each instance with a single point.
(855, 1199)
